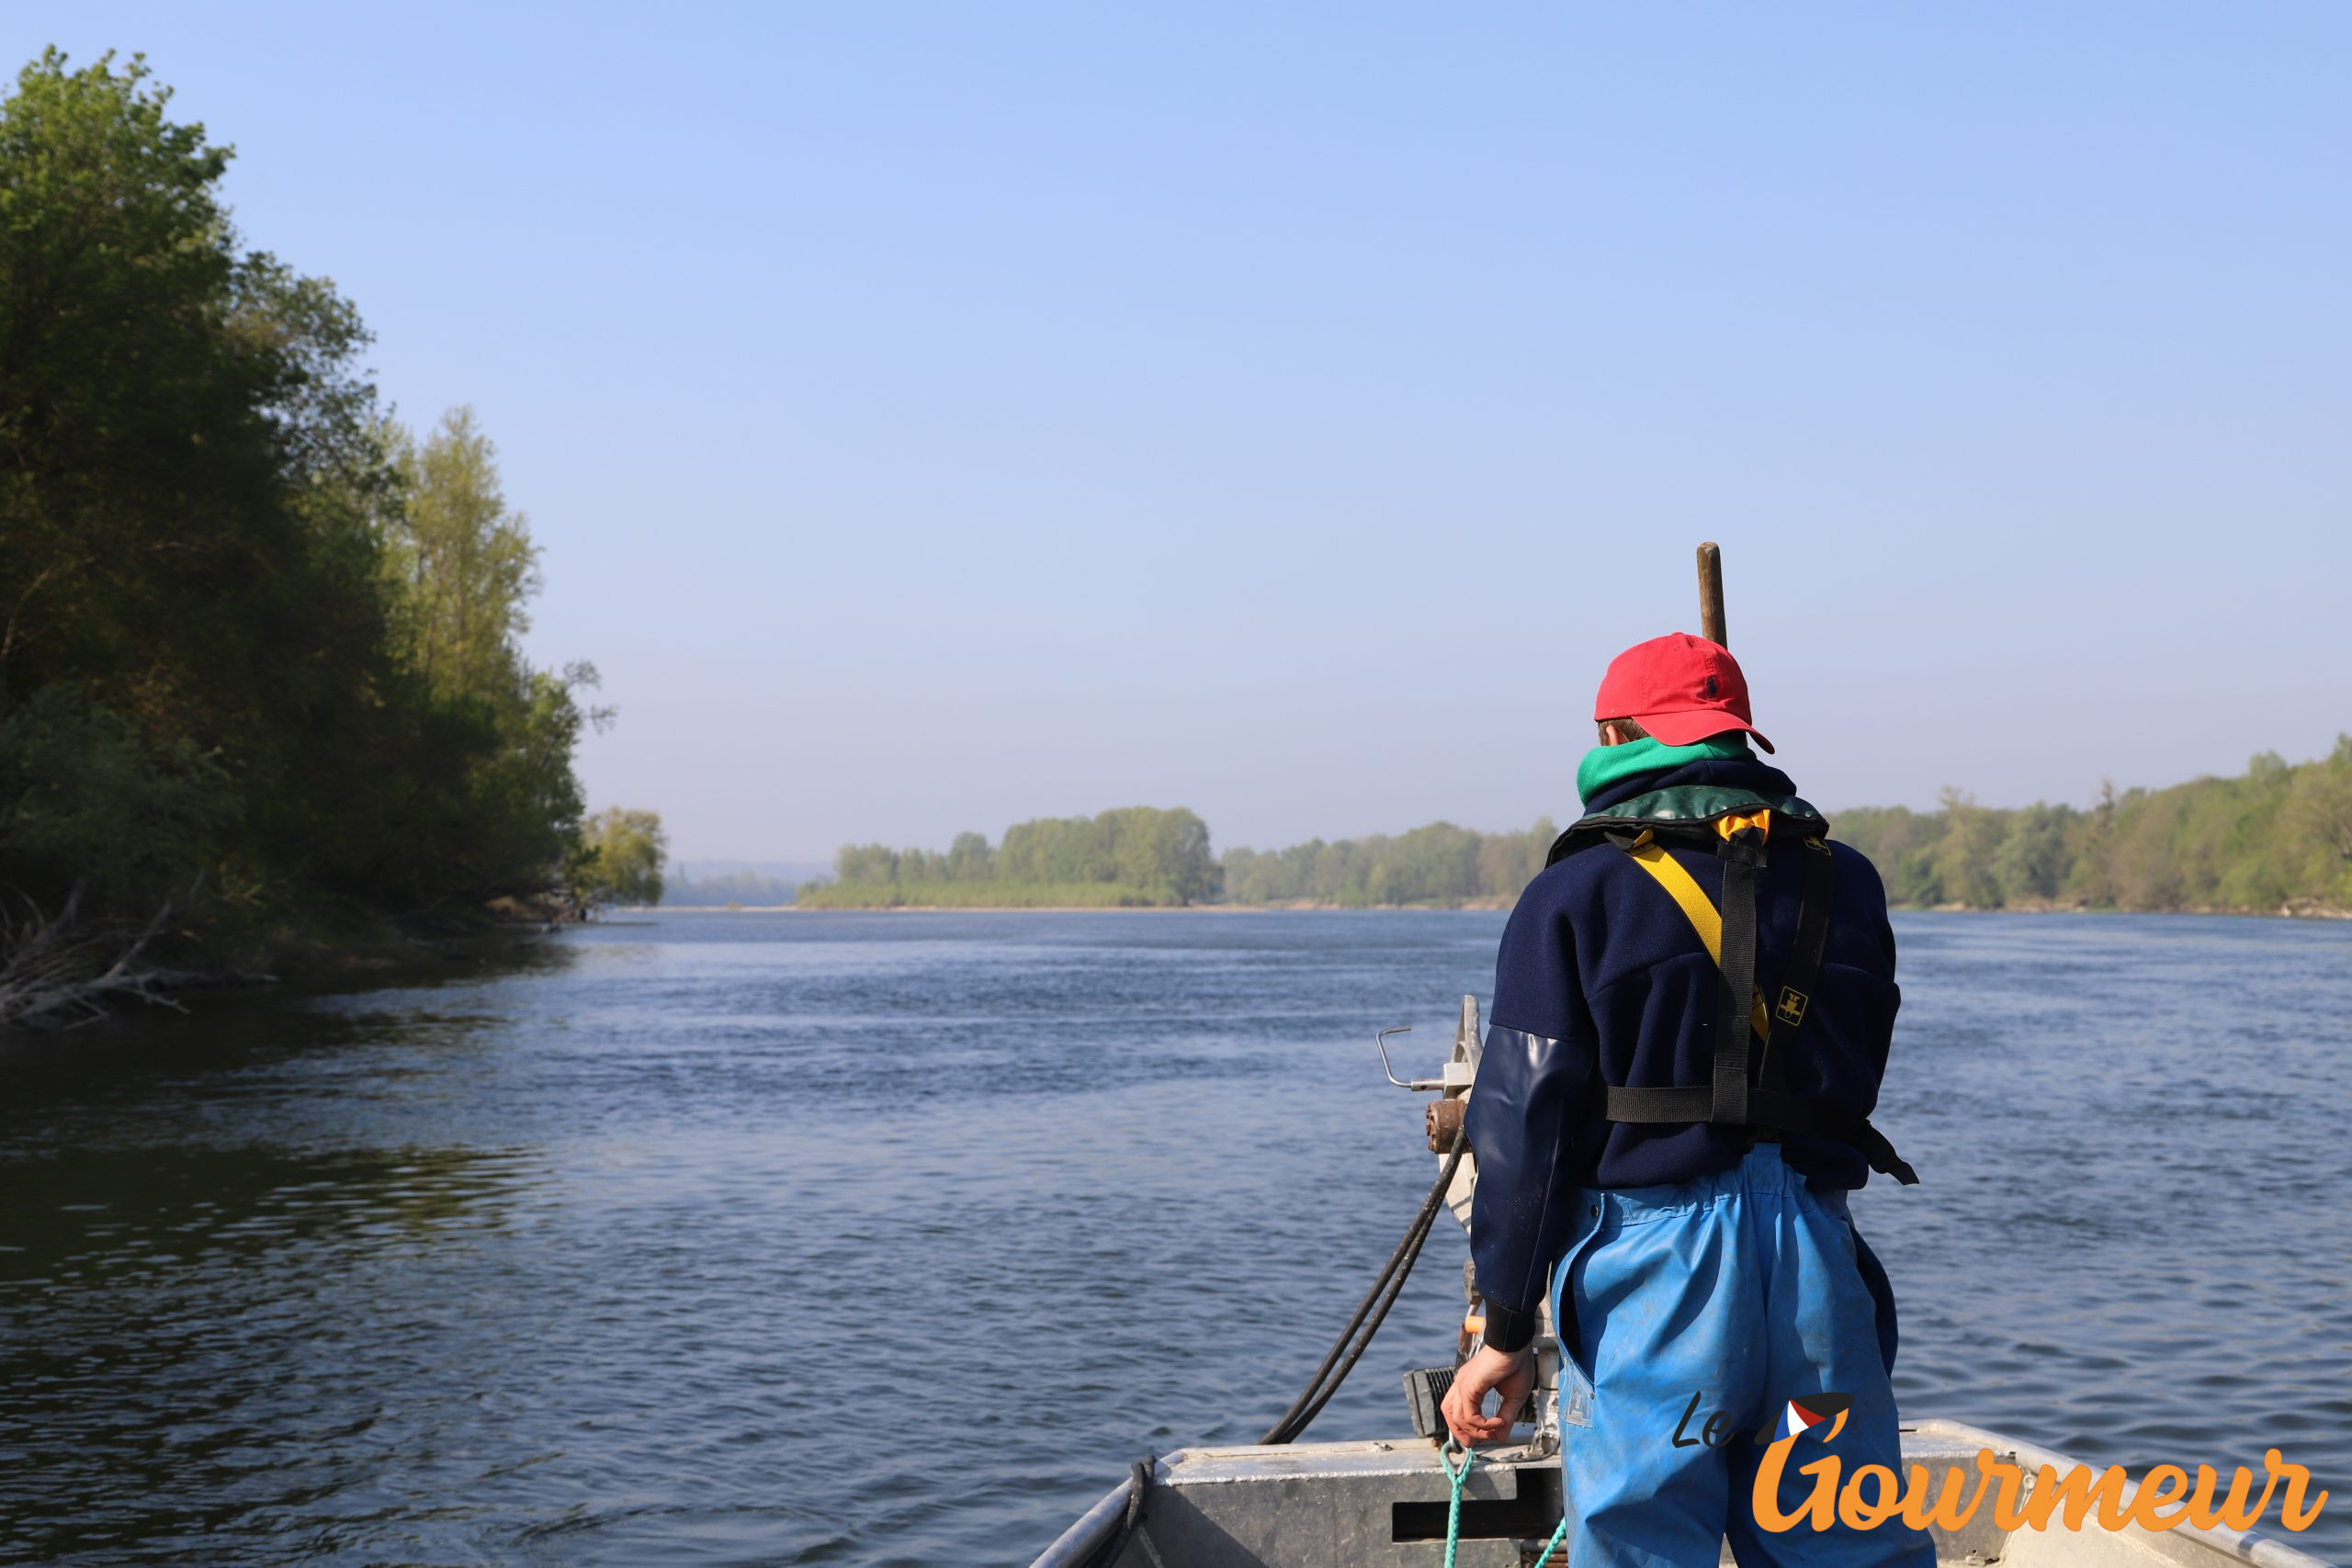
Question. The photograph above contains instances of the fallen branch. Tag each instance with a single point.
(59, 971)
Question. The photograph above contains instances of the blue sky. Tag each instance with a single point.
(937, 416)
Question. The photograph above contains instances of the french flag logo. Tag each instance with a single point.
(1808, 1411)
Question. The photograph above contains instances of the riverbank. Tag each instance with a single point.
(2292, 909)
(940, 910)
(2300, 910)
(67, 969)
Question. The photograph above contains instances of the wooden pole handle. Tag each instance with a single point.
(1710, 594)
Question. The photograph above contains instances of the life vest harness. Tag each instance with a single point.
(1747, 1089)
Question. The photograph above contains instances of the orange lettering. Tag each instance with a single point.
(2076, 1490)
(1946, 1514)
(1858, 1515)
(2161, 1487)
(2292, 1512)
(2005, 1502)
(1765, 1495)
(2156, 1505)
(2233, 1514)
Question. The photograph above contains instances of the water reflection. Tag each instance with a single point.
(196, 1339)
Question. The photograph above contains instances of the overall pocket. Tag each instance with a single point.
(1837, 1216)
(1882, 1293)
(1576, 1377)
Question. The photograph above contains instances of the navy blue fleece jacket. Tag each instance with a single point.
(1602, 980)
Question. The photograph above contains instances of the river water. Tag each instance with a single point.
(892, 1238)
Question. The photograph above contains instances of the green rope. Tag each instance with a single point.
(1454, 1507)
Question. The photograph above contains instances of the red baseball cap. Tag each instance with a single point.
(1679, 687)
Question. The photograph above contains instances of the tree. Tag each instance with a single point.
(184, 454)
(2090, 878)
(2142, 862)
(2031, 861)
(1964, 859)
(247, 626)
(866, 864)
(969, 859)
(84, 793)
(1165, 851)
(1509, 862)
(1901, 843)
(621, 856)
(463, 562)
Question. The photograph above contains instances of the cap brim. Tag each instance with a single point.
(1690, 726)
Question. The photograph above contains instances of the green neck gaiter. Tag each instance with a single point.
(1606, 765)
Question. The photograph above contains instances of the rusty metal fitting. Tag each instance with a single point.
(1443, 1121)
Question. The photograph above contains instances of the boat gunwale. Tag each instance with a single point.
(1091, 1529)
(2255, 1546)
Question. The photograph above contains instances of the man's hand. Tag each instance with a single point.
(1508, 1373)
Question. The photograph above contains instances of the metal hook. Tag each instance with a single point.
(1419, 1085)
(1380, 1042)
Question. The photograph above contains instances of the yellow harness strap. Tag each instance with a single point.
(1651, 856)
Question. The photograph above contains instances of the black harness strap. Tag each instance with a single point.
(1653, 1105)
(1804, 960)
(1732, 1098)
(1741, 854)
(1791, 1113)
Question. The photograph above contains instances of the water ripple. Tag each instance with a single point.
(889, 1239)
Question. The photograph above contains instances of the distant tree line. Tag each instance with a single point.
(1141, 856)
(2279, 837)
(261, 681)
(1137, 855)
(719, 890)
(1440, 864)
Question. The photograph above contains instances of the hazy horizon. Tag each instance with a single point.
(941, 418)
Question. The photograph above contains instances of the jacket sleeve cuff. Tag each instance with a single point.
(1509, 1329)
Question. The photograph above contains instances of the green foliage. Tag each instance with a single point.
(1901, 843)
(85, 793)
(621, 854)
(2279, 837)
(2316, 853)
(1964, 852)
(2030, 864)
(462, 566)
(1438, 864)
(969, 859)
(180, 440)
(247, 626)
(1163, 853)
(1135, 855)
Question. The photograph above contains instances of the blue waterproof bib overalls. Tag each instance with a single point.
(1748, 1291)
(1739, 1290)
